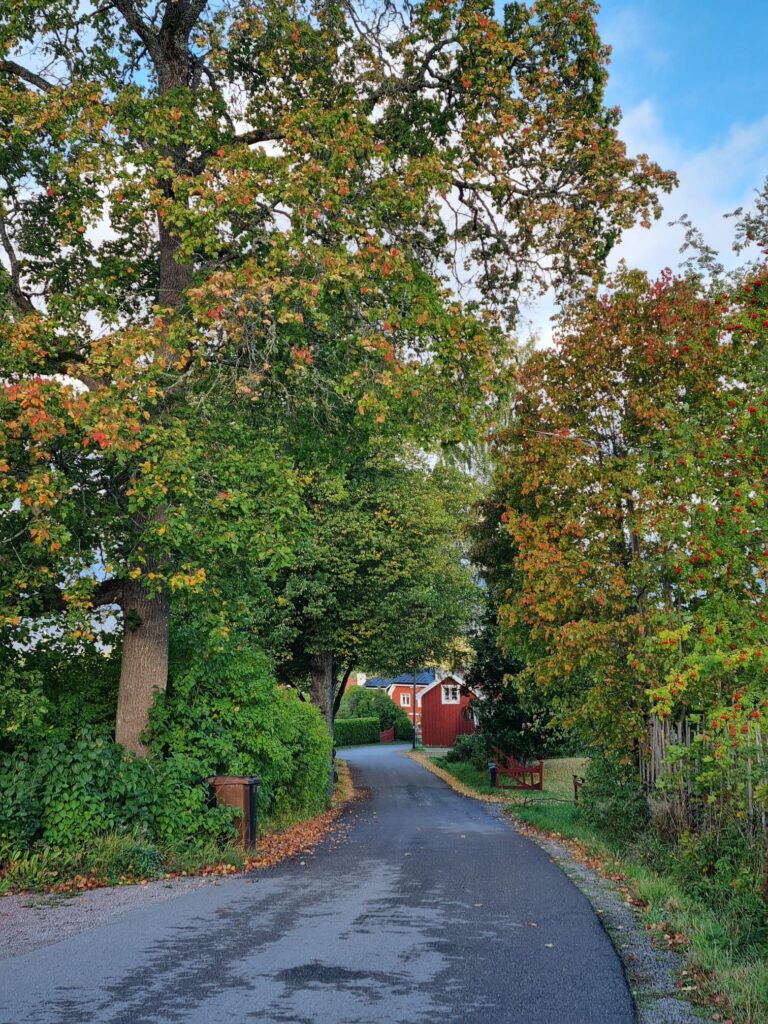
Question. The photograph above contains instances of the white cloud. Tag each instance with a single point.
(713, 182)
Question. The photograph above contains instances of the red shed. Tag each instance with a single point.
(445, 713)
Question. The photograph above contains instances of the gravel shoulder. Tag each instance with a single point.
(30, 921)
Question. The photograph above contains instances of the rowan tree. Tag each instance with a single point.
(634, 474)
(267, 199)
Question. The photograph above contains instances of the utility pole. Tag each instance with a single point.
(413, 711)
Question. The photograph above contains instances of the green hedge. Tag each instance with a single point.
(355, 730)
(403, 729)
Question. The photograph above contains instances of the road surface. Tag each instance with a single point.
(432, 909)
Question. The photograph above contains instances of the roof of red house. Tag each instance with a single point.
(424, 676)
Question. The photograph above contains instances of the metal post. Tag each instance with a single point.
(413, 713)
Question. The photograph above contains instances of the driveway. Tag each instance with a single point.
(432, 909)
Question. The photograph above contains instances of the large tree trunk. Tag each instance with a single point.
(144, 666)
(324, 685)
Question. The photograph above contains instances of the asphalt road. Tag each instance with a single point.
(432, 909)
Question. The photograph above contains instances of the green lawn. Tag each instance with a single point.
(558, 780)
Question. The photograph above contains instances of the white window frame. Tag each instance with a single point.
(405, 700)
(451, 693)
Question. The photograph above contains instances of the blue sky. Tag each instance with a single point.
(691, 78)
(702, 62)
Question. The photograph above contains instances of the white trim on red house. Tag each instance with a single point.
(453, 676)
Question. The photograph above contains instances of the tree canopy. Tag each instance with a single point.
(281, 210)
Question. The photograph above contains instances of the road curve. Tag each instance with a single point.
(432, 909)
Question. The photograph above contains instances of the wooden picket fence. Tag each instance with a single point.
(742, 771)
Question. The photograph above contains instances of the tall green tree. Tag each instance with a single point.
(265, 198)
(634, 481)
(384, 555)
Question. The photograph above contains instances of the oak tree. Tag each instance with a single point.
(270, 200)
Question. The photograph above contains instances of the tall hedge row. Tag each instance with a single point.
(347, 731)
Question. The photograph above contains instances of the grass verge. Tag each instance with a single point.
(729, 983)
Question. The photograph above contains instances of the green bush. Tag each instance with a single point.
(473, 748)
(720, 867)
(347, 731)
(360, 702)
(227, 713)
(403, 728)
(65, 787)
(613, 800)
(70, 789)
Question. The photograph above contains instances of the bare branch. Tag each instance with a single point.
(10, 67)
(136, 23)
(108, 592)
(257, 135)
(22, 300)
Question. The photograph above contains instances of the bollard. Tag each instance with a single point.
(492, 773)
(578, 782)
(253, 808)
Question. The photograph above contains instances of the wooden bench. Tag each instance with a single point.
(522, 776)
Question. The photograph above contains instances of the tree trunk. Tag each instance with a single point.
(323, 685)
(144, 665)
(323, 692)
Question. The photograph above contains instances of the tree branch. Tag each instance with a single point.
(10, 67)
(257, 135)
(22, 300)
(192, 13)
(108, 592)
(342, 688)
(136, 23)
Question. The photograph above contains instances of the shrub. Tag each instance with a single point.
(71, 789)
(226, 711)
(347, 731)
(68, 786)
(403, 728)
(472, 748)
(369, 703)
(612, 799)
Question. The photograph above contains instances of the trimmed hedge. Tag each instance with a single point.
(347, 731)
(403, 729)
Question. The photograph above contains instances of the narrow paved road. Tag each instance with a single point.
(424, 913)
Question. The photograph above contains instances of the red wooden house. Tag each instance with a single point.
(442, 711)
(400, 689)
(445, 713)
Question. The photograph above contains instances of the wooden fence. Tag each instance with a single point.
(680, 760)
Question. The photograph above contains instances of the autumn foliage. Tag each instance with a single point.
(635, 483)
